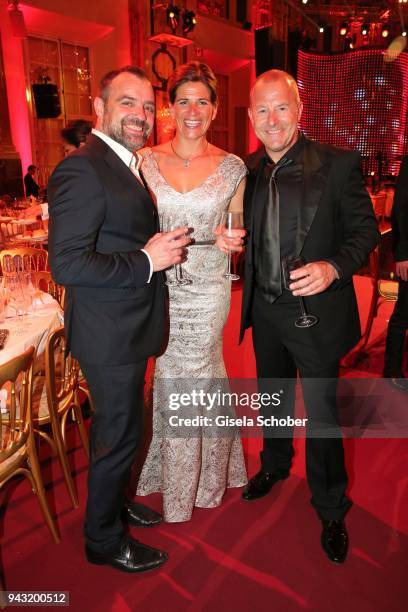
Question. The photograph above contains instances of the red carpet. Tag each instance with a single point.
(263, 555)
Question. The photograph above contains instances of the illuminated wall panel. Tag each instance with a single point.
(356, 100)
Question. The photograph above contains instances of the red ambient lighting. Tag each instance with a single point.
(361, 103)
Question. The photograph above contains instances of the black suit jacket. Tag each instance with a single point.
(399, 215)
(31, 187)
(100, 218)
(337, 223)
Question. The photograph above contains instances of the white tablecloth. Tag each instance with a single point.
(33, 330)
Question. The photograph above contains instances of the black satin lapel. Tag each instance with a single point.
(314, 182)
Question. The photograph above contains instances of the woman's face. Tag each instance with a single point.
(193, 110)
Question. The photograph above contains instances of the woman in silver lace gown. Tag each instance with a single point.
(195, 183)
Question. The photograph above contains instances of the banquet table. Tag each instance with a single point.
(32, 330)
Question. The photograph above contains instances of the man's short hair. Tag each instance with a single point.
(274, 75)
(109, 76)
(31, 167)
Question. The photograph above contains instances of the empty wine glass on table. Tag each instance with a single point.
(17, 299)
(231, 221)
(288, 265)
(167, 224)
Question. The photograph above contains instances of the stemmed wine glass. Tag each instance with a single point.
(230, 221)
(167, 224)
(288, 265)
(17, 298)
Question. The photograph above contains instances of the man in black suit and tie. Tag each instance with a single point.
(397, 327)
(104, 247)
(303, 199)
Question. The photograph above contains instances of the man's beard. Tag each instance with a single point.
(130, 142)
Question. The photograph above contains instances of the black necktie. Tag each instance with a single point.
(268, 274)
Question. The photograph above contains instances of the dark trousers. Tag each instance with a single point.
(397, 327)
(117, 394)
(281, 350)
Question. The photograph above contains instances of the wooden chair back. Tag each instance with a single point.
(23, 259)
(44, 281)
(18, 455)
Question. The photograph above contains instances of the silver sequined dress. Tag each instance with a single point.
(194, 470)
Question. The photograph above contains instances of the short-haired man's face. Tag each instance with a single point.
(275, 112)
(127, 116)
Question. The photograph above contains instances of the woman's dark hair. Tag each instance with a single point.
(192, 72)
(76, 132)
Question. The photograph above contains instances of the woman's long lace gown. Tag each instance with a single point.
(194, 470)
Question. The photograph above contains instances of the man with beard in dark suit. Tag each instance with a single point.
(303, 199)
(104, 247)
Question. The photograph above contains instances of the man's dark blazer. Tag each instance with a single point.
(100, 218)
(336, 222)
(31, 187)
(399, 214)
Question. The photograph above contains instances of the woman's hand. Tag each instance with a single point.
(234, 241)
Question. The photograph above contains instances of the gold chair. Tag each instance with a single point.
(381, 291)
(8, 233)
(44, 281)
(17, 446)
(54, 396)
(23, 259)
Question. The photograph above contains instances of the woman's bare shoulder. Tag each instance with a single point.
(162, 150)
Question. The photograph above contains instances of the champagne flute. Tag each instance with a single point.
(230, 221)
(182, 276)
(288, 265)
(167, 224)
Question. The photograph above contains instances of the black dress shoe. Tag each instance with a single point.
(131, 557)
(335, 540)
(139, 515)
(262, 483)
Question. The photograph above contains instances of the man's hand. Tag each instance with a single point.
(312, 278)
(401, 268)
(232, 242)
(167, 248)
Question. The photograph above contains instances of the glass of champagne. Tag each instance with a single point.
(230, 221)
(288, 265)
(167, 224)
(182, 276)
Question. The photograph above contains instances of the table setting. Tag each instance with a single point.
(27, 315)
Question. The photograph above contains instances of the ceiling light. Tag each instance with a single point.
(173, 17)
(385, 31)
(343, 29)
(189, 21)
(365, 28)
